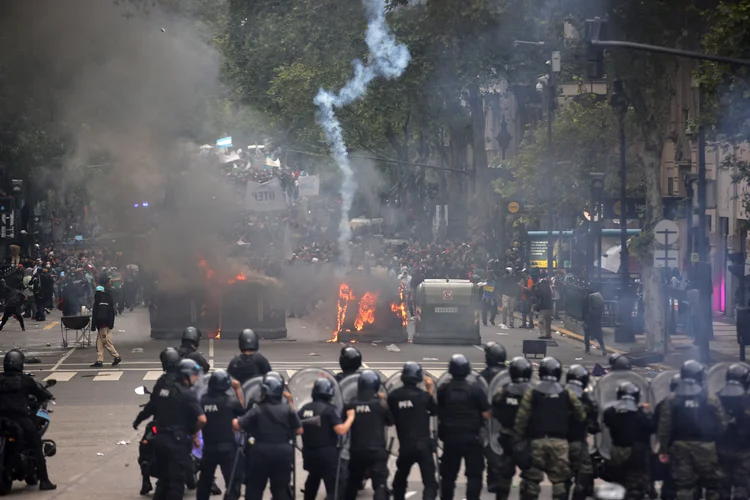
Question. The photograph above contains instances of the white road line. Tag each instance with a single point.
(410, 494)
(61, 376)
(211, 353)
(389, 373)
(365, 366)
(65, 356)
(479, 347)
(108, 376)
(290, 373)
(152, 375)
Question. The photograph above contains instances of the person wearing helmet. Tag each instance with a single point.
(630, 426)
(495, 357)
(272, 425)
(581, 467)
(178, 414)
(249, 363)
(505, 404)
(350, 361)
(219, 442)
(412, 409)
(544, 418)
(15, 389)
(619, 363)
(592, 312)
(462, 410)
(191, 339)
(367, 448)
(103, 321)
(733, 445)
(320, 453)
(668, 487)
(170, 360)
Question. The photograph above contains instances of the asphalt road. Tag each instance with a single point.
(95, 407)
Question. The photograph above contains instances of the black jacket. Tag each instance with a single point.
(104, 311)
(13, 296)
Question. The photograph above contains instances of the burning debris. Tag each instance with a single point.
(372, 315)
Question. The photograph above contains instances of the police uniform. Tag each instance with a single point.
(272, 425)
(320, 447)
(581, 467)
(189, 352)
(219, 440)
(249, 363)
(495, 357)
(412, 408)
(664, 470)
(733, 447)
(689, 425)
(460, 408)
(367, 447)
(544, 419)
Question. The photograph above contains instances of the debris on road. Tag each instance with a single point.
(429, 359)
(503, 326)
(100, 454)
(579, 359)
(502, 333)
(313, 354)
(392, 348)
(137, 350)
(123, 443)
(48, 344)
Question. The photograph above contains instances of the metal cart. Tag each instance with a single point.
(81, 325)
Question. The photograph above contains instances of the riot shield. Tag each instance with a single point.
(391, 385)
(251, 389)
(660, 386)
(493, 427)
(473, 377)
(605, 395)
(716, 376)
(201, 388)
(302, 382)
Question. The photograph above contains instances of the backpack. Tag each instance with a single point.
(596, 303)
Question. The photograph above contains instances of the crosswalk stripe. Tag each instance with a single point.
(152, 375)
(389, 373)
(60, 376)
(108, 376)
(290, 373)
(437, 373)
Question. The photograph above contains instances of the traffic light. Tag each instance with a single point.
(596, 30)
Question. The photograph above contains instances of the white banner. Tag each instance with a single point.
(309, 185)
(265, 197)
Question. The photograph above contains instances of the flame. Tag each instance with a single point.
(218, 333)
(345, 295)
(241, 277)
(366, 315)
(400, 307)
(209, 272)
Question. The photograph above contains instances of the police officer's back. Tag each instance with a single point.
(219, 442)
(733, 447)
(320, 439)
(367, 437)
(249, 363)
(462, 410)
(191, 339)
(412, 408)
(350, 360)
(619, 363)
(494, 356)
(577, 381)
(15, 389)
(272, 425)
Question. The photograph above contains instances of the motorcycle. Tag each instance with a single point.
(16, 460)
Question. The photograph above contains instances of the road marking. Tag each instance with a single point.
(108, 376)
(65, 356)
(211, 353)
(410, 494)
(479, 347)
(365, 366)
(389, 373)
(152, 375)
(437, 373)
(290, 373)
(61, 376)
(51, 325)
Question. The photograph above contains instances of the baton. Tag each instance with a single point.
(234, 466)
(338, 470)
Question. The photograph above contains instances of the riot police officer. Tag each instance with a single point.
(15, 389)
(733, 447)
(178, 416)
(191, 339)
(249, 363)
(462, 410)
(170, 360)
(320, 442)
(412, 408)
(367, 446)
(690, 423)
(544, 419)
(272, 426)
(350, 360)
(663, 470)
(505, 406)
(494, 357)
(581, 468)
(630, 427)
(219, 443)
(619, 363)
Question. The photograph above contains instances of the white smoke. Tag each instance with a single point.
(387, 59)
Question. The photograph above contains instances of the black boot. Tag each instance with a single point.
(146, 486)
(46, 485)
(215, 490)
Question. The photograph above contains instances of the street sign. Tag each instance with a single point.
(447, 294)
(670, 258)
(666, 232)
(514, 207)
(694, 257)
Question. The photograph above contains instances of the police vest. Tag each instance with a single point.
(579, 430)
(409, 406)
(368, 429)
(693, 419)
(244, 367)
(219, 411)
(273, 423)
(170, 410)
(489, 373)
(550, 415)
(460, 418)
(316, 437)
(506, 408)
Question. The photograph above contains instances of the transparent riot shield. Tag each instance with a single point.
(201, 388)
(605, 395)
(716, 376)
(499, 381)
(391, 385)
(659, 392)
(251, 389)
(302, 382)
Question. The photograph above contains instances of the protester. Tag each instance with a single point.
(103, 321)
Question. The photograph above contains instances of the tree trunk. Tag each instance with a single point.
(479, 156)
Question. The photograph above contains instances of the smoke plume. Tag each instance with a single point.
(387, 59)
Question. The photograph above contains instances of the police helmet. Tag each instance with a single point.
(187, 369)
(520, 369)
(219, 382)
(249, 340)
(276, 375)
(494, 354)
(13, 361)
(737, 373)
(368, 384)
(578, 373)
(350, 359)
(323, 389)
(628, 390)
(675, 382)
(170, 359)
(550, 369)
(272, 388)
(692, 370)
(459, 367)
(412, 373)
(619, 363)
(191, 336)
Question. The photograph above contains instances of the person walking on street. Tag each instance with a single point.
(593, 310)
(103, 321)
(13, 303)
(544, 306)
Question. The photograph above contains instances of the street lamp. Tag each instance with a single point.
(548, 82)
(595, 234)
(623, 331)
(691, 221)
